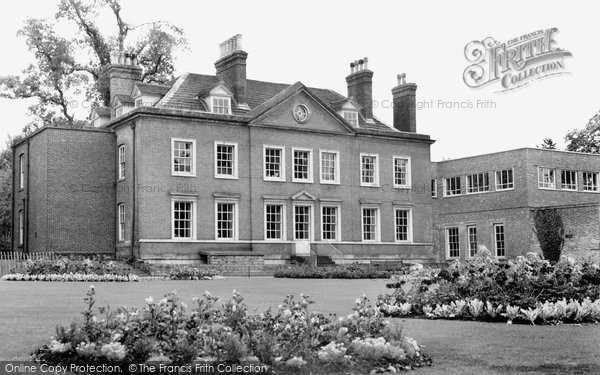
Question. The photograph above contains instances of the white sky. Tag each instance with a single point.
(314, 41)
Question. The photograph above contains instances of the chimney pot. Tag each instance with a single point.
(366, 60)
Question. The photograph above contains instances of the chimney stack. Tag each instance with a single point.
(123, 72)
(231, 67)
(405, 108)
(360, 86)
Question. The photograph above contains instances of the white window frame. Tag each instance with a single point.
(338, 224)
(336, 181)
(283, 220)
(282, 163)
(234, 176)
(480, 188)
(377, 223)
(468, 242)
(434, 188)
(409, 234)
(192, 172)
(22, 171)
(351, 117)
(546, 185)
(447, 241)
(494, 234)
(571, 187)
(121, 221)
(310, 165)
(375, 182)
(593, 188)
(119, 111)
(311, 226)
(121, 161)
(139, 102)
(235, 219)
(213, 106)
(498, 182)
(21, 228)
(407, 185)
(193, 200)
(445, 186)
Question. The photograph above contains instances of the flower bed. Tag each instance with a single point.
(290, 339)
(191, 273)
(70, 277)
(527, 289)
(67, 266)
(352, 271)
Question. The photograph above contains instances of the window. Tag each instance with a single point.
(590, 181)
(568, 180)
(369, 170)
(21, 171)
(226, 160)
(401, 172)
(274, 163)
(183, 157)
(452, 186)
(274, 221)
(403, 225)
(119, 111)
(302, 165)
(139, 102)
(21, 228)
(184, 217)
(499, 240)
(121, 214)
(330, 222)
(370, 224)
(330, 167)
(472, 239)
(221, 105)
(351, 117)
(478, 183)
(504, 179)
(452, 242)
(226, 221)
(546, 178)
(434, 188)
(121, 156)
(302, 223)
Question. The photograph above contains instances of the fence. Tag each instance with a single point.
(9, 260)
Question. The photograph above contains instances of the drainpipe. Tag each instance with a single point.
(251, 193)
(26, 230)
(13, 204)
(134, 197)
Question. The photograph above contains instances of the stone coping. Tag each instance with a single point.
(248, 253)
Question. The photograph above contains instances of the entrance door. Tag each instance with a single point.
(303, 229)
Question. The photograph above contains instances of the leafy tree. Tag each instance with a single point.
(586, 139)
(549, 230)
(548, 144)
(60, 74)
(6, 161)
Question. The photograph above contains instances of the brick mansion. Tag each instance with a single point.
(220, 165)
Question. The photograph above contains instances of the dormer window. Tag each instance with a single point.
(221, 105)
(351, 117)
(138, 102)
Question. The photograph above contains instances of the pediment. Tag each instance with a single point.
(304, 195)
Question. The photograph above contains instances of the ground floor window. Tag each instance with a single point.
(21, 228)
(472, 239)
(370, 224)
(274, 224)
(452, 242)
(402, 223)
(330, 221)
(226, 220)
(302, 223)
(499, 240)
(121, 214)
(183, 219)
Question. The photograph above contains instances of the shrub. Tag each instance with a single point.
(190, 273)
(67, 266)
(352, 271)
(549, 231)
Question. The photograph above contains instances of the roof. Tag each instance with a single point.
(124, 99)
(150, 89)
(102, 111)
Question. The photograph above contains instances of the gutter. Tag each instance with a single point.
(134, 196)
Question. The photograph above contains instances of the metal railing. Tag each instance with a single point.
(9, 260)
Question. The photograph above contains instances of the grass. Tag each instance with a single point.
(29, 311)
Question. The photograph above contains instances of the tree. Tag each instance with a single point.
(548, 144)
(59, 76)
(549, 230)
(6, 168)
(586, 139)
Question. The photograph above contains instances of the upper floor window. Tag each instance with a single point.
(351, 117)
(119, 111)
(21, 171)
(546, 178)
(274, 163)
(590, 181)
(478, 182)
(121, 157)
(302, 165)
(504, 179)
(226, 160)
(369, 170)
(568, 180)
(221, 105)
(452, 186)
(330, 167)
(139, 102)
(401, 171)
(434, 188)
(183, 156)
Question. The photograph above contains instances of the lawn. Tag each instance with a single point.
(30, 311)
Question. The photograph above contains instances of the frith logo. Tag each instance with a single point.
(515, 63)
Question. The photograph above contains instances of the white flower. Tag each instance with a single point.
(58, 347)
(150, 300)
(86, 349)
(113, 351)
(296, 361)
